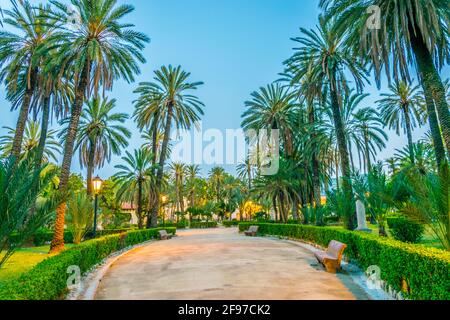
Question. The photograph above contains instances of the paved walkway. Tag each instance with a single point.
(222, 264)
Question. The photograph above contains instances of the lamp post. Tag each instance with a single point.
(97, 186)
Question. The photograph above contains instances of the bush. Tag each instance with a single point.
(229, 224)
(48, 279)
(426, 271)
(179, 225)
(406, 230)
(203, 225)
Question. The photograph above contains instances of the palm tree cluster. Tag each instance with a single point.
(57, 59)
(325, 124)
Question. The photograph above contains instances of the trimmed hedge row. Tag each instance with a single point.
(179, 225)
(229, 224)
(203, 225)
(48, 279)
(419, 272)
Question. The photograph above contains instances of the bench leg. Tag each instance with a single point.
(330, 266)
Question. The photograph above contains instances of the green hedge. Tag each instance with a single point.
(229, 224)
(425, 270)
(48, 279)
(406, 230)
(179, 225)
(203, 225)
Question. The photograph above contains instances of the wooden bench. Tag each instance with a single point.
(163, 235)
(331, 259)
(252, 231)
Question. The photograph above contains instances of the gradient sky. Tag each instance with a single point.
(234, 46)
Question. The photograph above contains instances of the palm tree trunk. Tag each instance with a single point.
(160, 173)
(58, 238)
(343, 152)
(409, 135)
(139, 205)
(90, 167)
(315, 167)
(366, 146)
(23, 116)
(432, 84)
(435, 129)
(44, 129)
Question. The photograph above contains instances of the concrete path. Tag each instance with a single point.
(222, 264)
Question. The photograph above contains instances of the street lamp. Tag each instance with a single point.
(97, 186)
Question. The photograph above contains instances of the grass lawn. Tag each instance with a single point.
(23, 260)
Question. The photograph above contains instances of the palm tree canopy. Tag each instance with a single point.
(136, 167)
(169, 88)
(400, 20)
(19, 56)
(30, 142)
(102, 128)
(108, 48)
(402, 99)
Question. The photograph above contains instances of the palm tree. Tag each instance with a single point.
(272, 107)
(402, 108)
(216, 178)
(94, 53)
(368, 125)
(19, 61)
(30, 143)
(101, 134)
(167, 99)
(281, 188)
(412, 33)
(133, 178)
(178, 172)
(245, 171)
(193, 171)
(424, 160)
(323, 54)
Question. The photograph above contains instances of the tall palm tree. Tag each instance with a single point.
(101, 134)
(323, 54)
(412, 33)
(281, 188)
(193, 171)
(133, 178)
(168, 99)
(19, 60)
(30, 143)
(216, 178)
(245, 171)
(368, 125)
(95, 52)
(178, 173)
(403, 108)
(272, 108)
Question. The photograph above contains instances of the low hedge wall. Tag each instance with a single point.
(203, 225)
(179, 225)
(425, 271)
(48, 279)
(229, 224)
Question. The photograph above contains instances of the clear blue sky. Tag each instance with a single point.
(234, 46)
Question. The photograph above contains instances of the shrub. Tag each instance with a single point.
(203, 225)
(179, 225)
(229, 224)
(426, 271)
(403, 229)
(48, 279)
